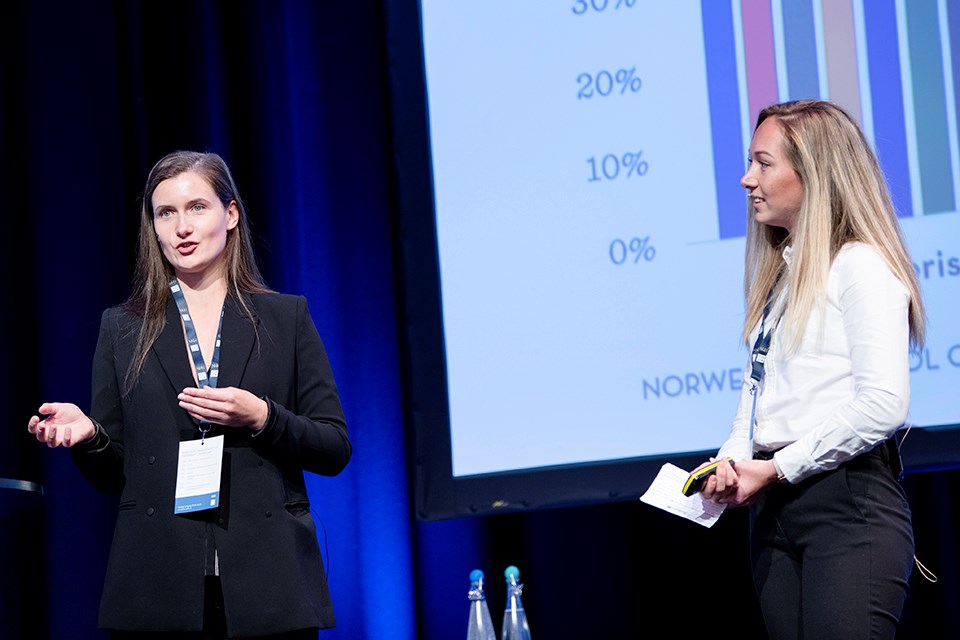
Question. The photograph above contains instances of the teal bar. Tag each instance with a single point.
(930, 107)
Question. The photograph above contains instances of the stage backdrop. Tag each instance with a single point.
(298, 97)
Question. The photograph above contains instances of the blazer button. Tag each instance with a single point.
(150, 511)
(269, 514)
(259, 463)
(151, 459)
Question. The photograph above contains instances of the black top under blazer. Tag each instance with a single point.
(269, 560)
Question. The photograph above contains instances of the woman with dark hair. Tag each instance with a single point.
(203, 353)
(833, 306)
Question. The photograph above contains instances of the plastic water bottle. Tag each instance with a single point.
(480, 625)
(515, 625)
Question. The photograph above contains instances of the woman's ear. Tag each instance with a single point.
(233, 215)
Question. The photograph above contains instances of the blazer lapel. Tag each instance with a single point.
(237, 340)
(171, 351)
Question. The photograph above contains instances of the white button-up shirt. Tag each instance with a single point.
(847, 387)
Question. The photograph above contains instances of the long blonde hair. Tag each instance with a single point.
(845, 199)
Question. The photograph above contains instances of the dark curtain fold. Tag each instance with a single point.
(297, 97)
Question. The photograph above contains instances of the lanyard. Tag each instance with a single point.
(761, 348)
(757, 359)
(194, 344)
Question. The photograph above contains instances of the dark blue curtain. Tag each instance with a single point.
(297, 97)
(292, 95)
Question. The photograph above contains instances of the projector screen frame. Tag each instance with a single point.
(438, 494)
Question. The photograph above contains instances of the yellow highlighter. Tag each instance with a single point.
(696, 478)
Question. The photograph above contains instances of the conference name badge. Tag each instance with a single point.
(198, 475)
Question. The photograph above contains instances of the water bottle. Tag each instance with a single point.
(480, 625)
(515, 625)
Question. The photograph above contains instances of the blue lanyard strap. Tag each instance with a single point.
(761, 348)
(757, 360)
(203, 380)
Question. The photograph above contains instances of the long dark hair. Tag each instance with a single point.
(150, 291)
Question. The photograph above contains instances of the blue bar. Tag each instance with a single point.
(930, 106)
(886, 97)
(728, 152)
(197, 503)
(800, 44)
(953, 22)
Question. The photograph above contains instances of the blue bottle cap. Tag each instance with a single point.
(476, 575)
(511, 572)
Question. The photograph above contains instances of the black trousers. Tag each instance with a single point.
(214, 623)
(832, 555)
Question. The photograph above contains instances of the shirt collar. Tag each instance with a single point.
(788, 255)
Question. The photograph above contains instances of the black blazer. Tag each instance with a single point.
(269, 560)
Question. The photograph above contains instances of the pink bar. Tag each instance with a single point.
(839, 43)
(759, 55)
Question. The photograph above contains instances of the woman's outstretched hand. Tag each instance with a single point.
(60, 424)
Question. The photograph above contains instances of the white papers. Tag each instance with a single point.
(666, 492)
(198, 475)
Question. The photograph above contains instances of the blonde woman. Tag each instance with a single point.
(833, 307)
